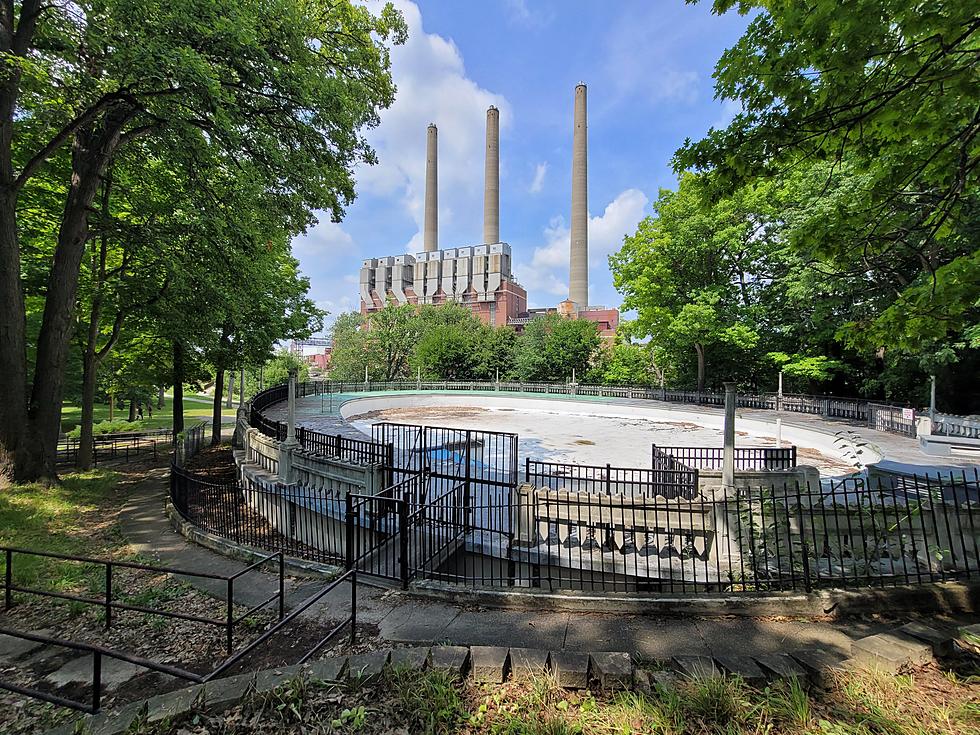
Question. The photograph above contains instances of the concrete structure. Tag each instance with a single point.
(491, 179)
(578, 281)
(430, 235)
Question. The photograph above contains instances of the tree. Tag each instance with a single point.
(277, 369)
(281, 89)
(882, 98)
(552, 347)
(696, 270)
(628, 364)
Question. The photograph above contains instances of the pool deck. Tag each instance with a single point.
(901, 454)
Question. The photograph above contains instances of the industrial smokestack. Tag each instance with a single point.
(491, 179)
(430, 232)
(578, 276)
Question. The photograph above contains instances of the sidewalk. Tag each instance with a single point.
(402, 618)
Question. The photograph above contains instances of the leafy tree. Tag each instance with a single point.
(279, 89)
(552, 347)
(697, 271)
(882, 97)
(628, 364)
(276, 370)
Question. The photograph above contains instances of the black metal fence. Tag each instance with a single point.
(299, 521)
(711, 458)
(677, 482)
(110, 603)
(116, 447)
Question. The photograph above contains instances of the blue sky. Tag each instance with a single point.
(648, 67)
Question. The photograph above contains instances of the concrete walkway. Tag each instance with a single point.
(407, 619)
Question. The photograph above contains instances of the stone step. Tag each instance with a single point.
(489, 664)
(744, 667)
(890, 651)
(450, 659)
(781, 666)
(414, 659)
(367, 665)
(612, 669)
(941, 641)
(571, 669)
(821, 665)
(528, 662)
(696, 667)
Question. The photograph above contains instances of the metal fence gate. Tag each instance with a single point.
(449, 488)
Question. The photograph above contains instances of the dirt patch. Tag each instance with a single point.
(217, 464)
(421, 413)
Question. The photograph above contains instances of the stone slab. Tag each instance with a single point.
(329, 669)
(367, 665)
(266, 681)
(571, 669)
(696, 667)
(79, 671)
(890, 651)
(941, 642)
(489, 664)
(526, 663)
(821, 666)
(664, 678)
(220, 694)
(743, 667)
(414, 659)
(450, 659)
(172, 704)
(13, 648)
(781, 666)
(970, 634)
(612, 669)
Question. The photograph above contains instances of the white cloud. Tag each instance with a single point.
(642, 56)
(539, 173)
(522, 15)
(433, 87)
(547, 273)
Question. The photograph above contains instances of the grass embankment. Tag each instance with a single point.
(76, 517)
(430, 702)
(196, 408)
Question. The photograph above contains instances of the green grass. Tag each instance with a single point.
(69, 518)
(196, 408)
(862, 703)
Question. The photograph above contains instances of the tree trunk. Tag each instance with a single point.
(178, 378)
(13, 352)
(230, 398)
(160, 397)
(699, 348)
(219, 384)
(86, 441)
(112, 407)
(132, 409)
(91, 151)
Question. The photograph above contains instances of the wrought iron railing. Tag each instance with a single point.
(712, 458)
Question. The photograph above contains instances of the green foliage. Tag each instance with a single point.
(864, 116)
(552, 347)
(107, 427)
(277, 369)
(628, 364)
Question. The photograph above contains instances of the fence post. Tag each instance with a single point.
(108, 595)
(229, 625)
(282, 585)
(8, 580)
(804, 550)
(403, 541)
(349, 524)
(353, 607)
(608, 478)
(96, 681)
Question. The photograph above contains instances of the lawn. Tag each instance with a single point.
(75, 517)
(196, 408)
(860, 703)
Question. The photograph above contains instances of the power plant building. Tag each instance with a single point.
(480, 277)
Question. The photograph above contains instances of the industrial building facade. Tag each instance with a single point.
(480, 277)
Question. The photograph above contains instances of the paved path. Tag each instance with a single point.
(403, 618)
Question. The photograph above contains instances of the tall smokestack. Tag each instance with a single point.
(430, 233)
(578, 276)
(491, 179)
